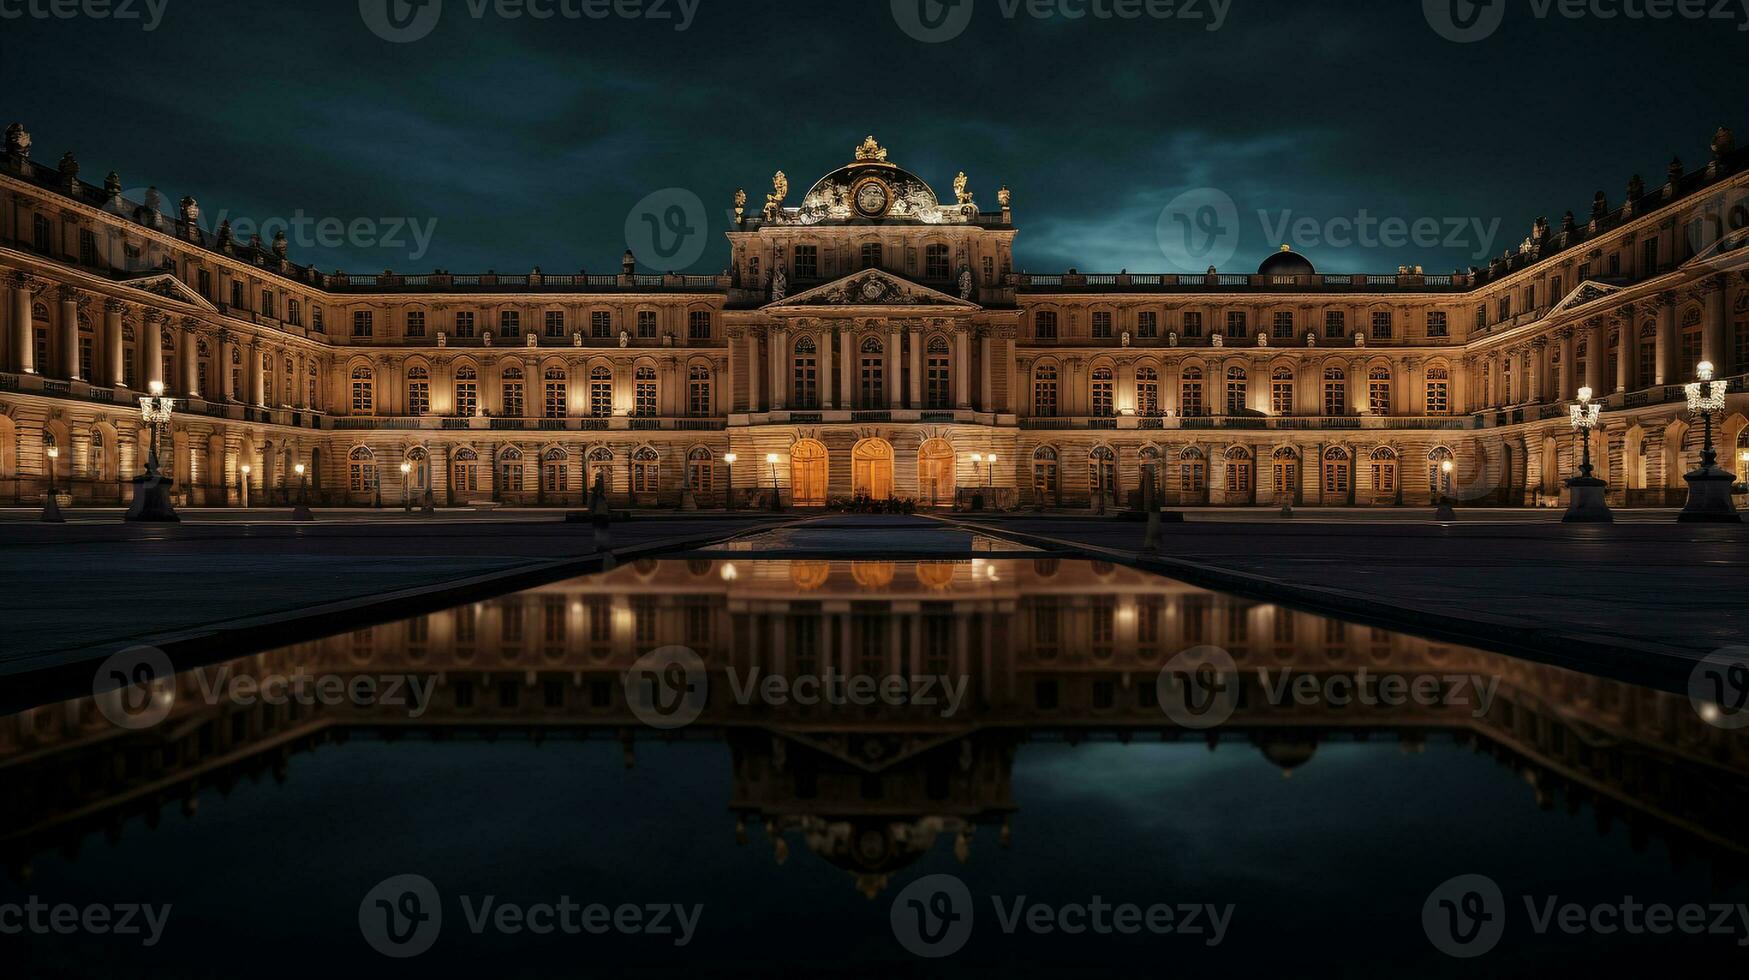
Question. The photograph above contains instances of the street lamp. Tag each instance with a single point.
(51, 506)
(729, 491)
(1445, 513)
(1588, 504)
(776, 495)
(151, 491)
(302, 512)
(977, 461)
(247, 469)
(406, 488)
(1709, 488)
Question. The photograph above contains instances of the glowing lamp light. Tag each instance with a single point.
(298, 469)
(1446, 467)
(1705, 395)
(406, 468)
(730, 458)
(771, 458)
(156, 389)
(54, 453)
(1586, 414)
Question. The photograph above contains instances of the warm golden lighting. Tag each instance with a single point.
(406, 468)
(771, 458)
(156, 388)
(298, 469)
(730, 458)
(1446, 467)
(54, 453)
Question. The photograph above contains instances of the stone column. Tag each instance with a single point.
(23, 343)
(895, 368)
(69, 333)
(780, 359)
(728, 398)
(824, 342)
(257, 389)
(962, 367)
(847, 368)
(153, 343)
(1596, 356)
(1627, 353)
(987, 372)
(753, 370)
(1565, 388)
(227, 352)
(1534, 357)
(1358, 396)
(190, 358)
(115, 356)
(1126, 386)
(1667, 372)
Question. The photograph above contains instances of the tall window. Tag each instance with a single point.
(1284, 325)
(935, 262)
(557, 393)
(1382, 325)
(601, 391)
(1378, 391)
(807, 265)
(1044, 325)
(87, 348)
(646, 324)
(1335, 324)
(1104, 390)
(1648, 356)
(1239, 471)
(1193, 324)
(1281, 391)
(510, 470)
(1102, 471)
(938, 388)
(646, 471)
(555, 320)
(1147, 391)
(1044, 473)
(1740, 333)
(513, 392)
(698, 325)
(39, 233)
(698, 391)
(1238, 391)
(871, 255)
(467, 392)
(872, 370)
(1336, 466)
(415, 323)
(644, 392)
(1192, 472)
(1147, 324)
(1438, 391)
(1690, 344)
(1335, 392)
(1102, 325)
(361, 470)
(700, 470)
(418, 391)
(1190, 404)
(1436, 324)
(1384, 471)
(1236, 324)
(1044, 391)
(601, 324)
(363, 391)
(294, 312)
(464, 324)
(555, 471)
(509, 323)
(805, 374)
(363, 323)
(464, 473)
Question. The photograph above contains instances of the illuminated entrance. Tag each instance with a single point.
(935, 474)
(807, 474)
(871, 469)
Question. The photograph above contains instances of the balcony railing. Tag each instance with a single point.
(1123, 281)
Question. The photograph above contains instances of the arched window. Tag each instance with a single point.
(361, 465)
(467, 392)
(1102, 472)
(1335, 392)
(1336, 472)
(510, 470)
(1384, 471)
(555, 471)
(1190, 403)
(557, 394)
(94, 459)
(701, 470)
(1239, 471)
(1044, 391)
(1147, 391)
(1378, 391)
(464, 473)
(938, 384)
(314, 402)
(1192, 472)
(1691, 345)
(1238, 391)
(513, 393)
(1439, 390)
(872, 373)
(644, 402)
(601, 391)
(363, 391)
(418, 391)
(646, 471)
(1281, 391)
(87, 348)
(1440, 481)
(1103, 393)
(805, 374)
(1286, 466)
(39, 321)
(698, 391)
(1044, 474)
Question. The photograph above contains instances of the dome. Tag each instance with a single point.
(1286, 262)
(871, 189)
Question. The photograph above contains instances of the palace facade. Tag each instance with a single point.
(873, 341)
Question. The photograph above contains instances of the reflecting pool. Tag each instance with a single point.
(1000, 767)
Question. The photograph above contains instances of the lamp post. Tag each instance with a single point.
(1709, 488)
(51, 506)
(977, 463)
(729, 491)
(1588, 505)
(244, 496)
(302, 512)
(406, 488)
(1445, 513)
(151, 502)
(776, 495)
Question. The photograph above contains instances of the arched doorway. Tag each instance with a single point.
(1240, 476)
(808, 471)
(1285, 483)
(935, 473)
(871, 469)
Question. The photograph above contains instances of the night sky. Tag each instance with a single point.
(530, 141)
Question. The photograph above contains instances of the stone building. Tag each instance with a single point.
(873, 341)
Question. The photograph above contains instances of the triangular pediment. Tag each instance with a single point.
(168, 286)
(1586, 293)
(873, 288)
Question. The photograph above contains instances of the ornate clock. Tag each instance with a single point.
(872, 198)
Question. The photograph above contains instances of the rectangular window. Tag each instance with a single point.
(204, 280)
(698, 325)
(601, 324)
(1281, 395)
(646, 324)
(1044, 325)
(464, 324)
(1102, 325)
(87, 247)
(807, 262)
(557, 399)
(237, 296)
(1284, 325)
(871, 255)
(1236, 323)
(1148, 324)
(1382, 325)
(1335, 324)
(39, 233)
(415, 323)
(467, 399)
(555, 324)
(1649, 257)
(1436, 326)
(1438, 396)
(509, 323)
(419, 398)
(266, 303)
(935, 262)
(363, 323)
(644, 399)
(1193, 324)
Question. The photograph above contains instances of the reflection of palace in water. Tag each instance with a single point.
(1052, 650)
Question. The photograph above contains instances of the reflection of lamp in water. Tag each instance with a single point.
(730, 573)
